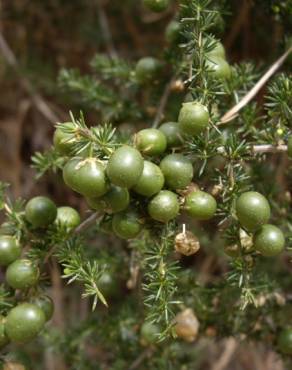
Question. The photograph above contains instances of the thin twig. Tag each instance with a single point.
(103, 21)
(37, 99)
(162, 103)
(233, 112)
(263, 148)
(146, 353)
(87, 223)
(269, 148)
(230, 347)
(238, 23)
(83, 226)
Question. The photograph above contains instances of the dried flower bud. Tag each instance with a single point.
(245, 239)
(216, 190)
(186, 243)
(187, 325)
(260, 300)
(232, 250)
(189, 189)
(280, 299)
(177, 86)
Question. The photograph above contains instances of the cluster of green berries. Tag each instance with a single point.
(253, 213)
(24, 321)
(149, 169)
(149, 68)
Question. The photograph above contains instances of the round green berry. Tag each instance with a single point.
(46, 304)
(3, 337)
(86, 176)
(193, 118)
(164, 206)
(24, 322)
(22, 274)
(9, 250)
(269, 240)
(252, 210)
(285, 341)
(219, 68)
(150, 142)
(151, 180)
(200, 205)
(68, 217)
(7, 229)
(218, 51)
(115, 200)
(172, 133)
(126, 224)
(125, 167)
(64, 137)
(147, 70)
(177, 170)
(172, 31)
(149, 333)
(40, 211)
(108, 284)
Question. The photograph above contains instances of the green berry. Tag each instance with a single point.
(149, 333)
(7, 229)
(22, 274)
(252, 210)
(150, 142)
(193, 118)
(125, 167)
(147, 70)
(177, 170)
(269, 240)
(24, 322)
(172, 32)
(40, 211)
(285, 341)
(3, 337)
(151, 180)
(9, 250)
(218, 51)
(156, 5)
(64, 138)
(86, 176)
(126, 224)
(68, 217)
(172, 133)
(115, 200)
(200, 205)
(164, 206)
(108, 284)
(219, 68)
(46, 304)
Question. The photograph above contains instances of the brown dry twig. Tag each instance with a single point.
(233, 112)
(36, 98)
(230, 347)
(162, 103)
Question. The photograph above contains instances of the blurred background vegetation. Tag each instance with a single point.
(41, 41)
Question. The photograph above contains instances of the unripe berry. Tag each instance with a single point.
(269, 240)
(193, 118)
(252, 210)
